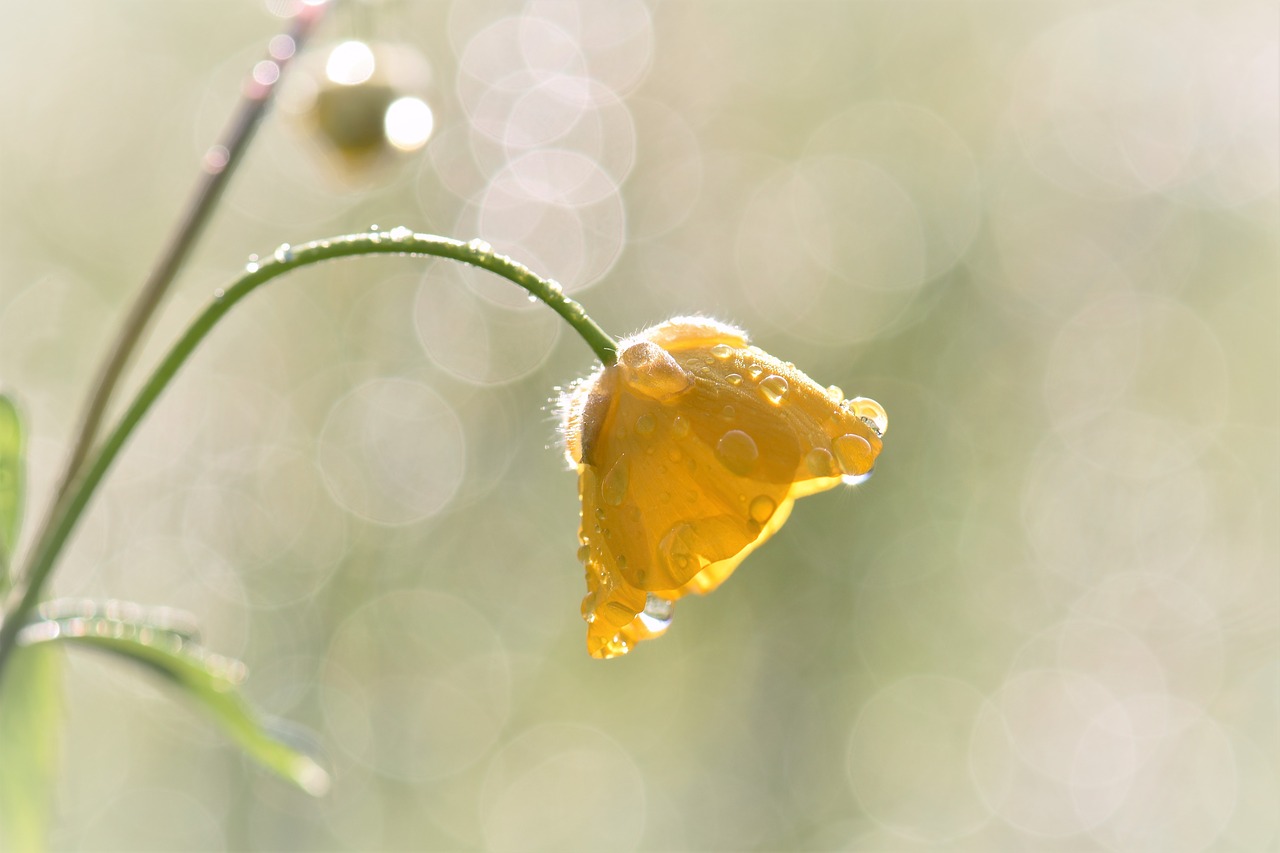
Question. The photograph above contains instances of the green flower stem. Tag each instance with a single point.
(399, 241)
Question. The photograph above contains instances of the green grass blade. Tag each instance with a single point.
(211, 680)
(30, 730)
(12, 476)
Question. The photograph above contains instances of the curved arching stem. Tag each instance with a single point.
(70, 507)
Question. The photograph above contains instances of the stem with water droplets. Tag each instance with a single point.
(400, 241)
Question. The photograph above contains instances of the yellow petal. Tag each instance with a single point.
(691, 452)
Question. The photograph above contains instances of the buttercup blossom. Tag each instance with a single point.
(690, 452)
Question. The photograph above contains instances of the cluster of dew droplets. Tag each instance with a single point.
(596, 576)
(650, 371)
(169, 632)
(850, 457)
(854, 452)
(736, 449)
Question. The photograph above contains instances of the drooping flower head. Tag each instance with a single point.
(690, 452)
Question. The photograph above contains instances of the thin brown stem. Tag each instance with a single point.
(216, 168)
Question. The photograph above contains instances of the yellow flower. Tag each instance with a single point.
(690, 452)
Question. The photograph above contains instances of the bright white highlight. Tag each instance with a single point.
(408, 123)
(350, 63)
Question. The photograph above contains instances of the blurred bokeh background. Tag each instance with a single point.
(1042, 235)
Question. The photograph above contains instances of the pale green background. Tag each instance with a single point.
(1042, 235)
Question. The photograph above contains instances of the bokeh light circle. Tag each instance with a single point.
(415, 685)
(926, 157)
(563, 787)
(476, 340)
(905, 759)
(1040, 740)
(392, 452)
(833, 246)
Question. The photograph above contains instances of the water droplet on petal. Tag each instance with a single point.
(761, 508)
(854, 454)
(584, 553)
(657, 613)
(680, 426)
(733, 379)
(613, 488)
(820, 462)
(774, 388)
(728, 413)
(835, 393)
(871, 412)
(722, 350)
(754, 373)
(677, 550)
(645, 425)
(650, 370)
(737, 451)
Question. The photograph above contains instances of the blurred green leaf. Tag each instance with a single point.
(30, 726)
(11, 484)
(151, 639)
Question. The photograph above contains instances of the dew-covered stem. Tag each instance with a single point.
(399, 241)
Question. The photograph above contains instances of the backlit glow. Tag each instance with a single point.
(409, 123)
(350, 63)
